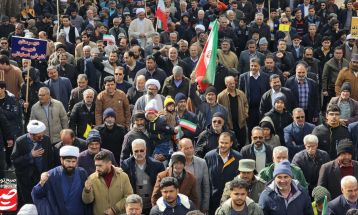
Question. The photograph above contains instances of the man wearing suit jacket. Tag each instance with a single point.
(296, 131)
(268, 98)
(198, 167)
(254, 84)
(305, 91)
(332, 172)
(60, 87)
(247, 55)
(347, 200)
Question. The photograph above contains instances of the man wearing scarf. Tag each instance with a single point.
(60, 189)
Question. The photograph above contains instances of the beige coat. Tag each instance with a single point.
(57, 118)
(223, 99)
(347, 75)
(103, 197)
(118, 102)
(13, 79)
(79, 49)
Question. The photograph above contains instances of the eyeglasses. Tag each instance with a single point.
(120, 74)
(299, 117)
(258, 138)
(217, 121)
(137, 151)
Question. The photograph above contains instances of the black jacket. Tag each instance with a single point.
(280, 121)
(247, 152)
(13, 113)
(266, 103)
(328, 137)
(112, 139)
(127, 143)
(167, 65)
(208, 140)
(78, 142)
(69, 71)
(81, 117)
(152, 168)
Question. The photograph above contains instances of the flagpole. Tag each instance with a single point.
(145, 8)
(58, 17)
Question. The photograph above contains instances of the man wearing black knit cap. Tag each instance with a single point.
(186, 180)
(137, 131)
(205, 110)
(208, 139)
(112, 133)
(332, 172)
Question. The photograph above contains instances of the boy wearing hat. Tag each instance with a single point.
(32, 155)
(159, 132)
(285, 195)
(169, 112)
(59, 190)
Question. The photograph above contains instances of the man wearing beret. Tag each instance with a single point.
(332, 172)
(32, 155)
(285, 195)
(59, 190)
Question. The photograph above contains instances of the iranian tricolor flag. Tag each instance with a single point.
(206, 68)
(187, 125)
(161, 17)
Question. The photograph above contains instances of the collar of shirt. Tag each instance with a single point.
(341, 165)
(255, 76)
(304, 82)
(224, 158)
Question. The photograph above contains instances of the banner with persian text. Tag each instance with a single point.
(33, 49)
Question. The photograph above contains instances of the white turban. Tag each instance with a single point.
(35, 127)
(69, 151)
(139, 10)
(152, 82)
(200, 26)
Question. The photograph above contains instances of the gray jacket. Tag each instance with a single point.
(253, 208)
(56, 120)
(202, 182)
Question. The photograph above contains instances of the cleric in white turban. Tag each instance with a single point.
(69, 151)
(36, 127)
(152, 86)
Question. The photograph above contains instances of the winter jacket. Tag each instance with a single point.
(118, 102)
(280, 121)
(347, 75)
(329, 137)
(187, 186)
(330, 74)
(112, 139)
(13, 112)
(243, 107)
(220, 173)
(127, 143)
(275, 139)
(248, 152)
(159, 131)
(255, 189)
(253, 208)
(272, 203)
(338, 206)
(81, 117)
(65, 88)
(266, 101)
(208, 140)
(162, 208)
(86, 160)
(267, 174)
(170, 89)
(104, 197)
(77, 96)
(310, 166)
(56, 121)
(353, 104)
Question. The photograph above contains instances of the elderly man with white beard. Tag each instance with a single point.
(152, 86)
(142, 171)
(137, 131)
(141, 28)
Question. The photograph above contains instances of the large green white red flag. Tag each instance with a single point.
(161, 17)
(206, 68)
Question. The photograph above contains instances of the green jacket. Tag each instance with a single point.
(267, 174)
(256, 188)
(253, 208)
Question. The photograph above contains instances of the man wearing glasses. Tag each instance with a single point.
(142, 171)
(121, 84)
(258, 150)
(296, 131)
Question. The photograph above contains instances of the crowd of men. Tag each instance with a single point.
(115, 121)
